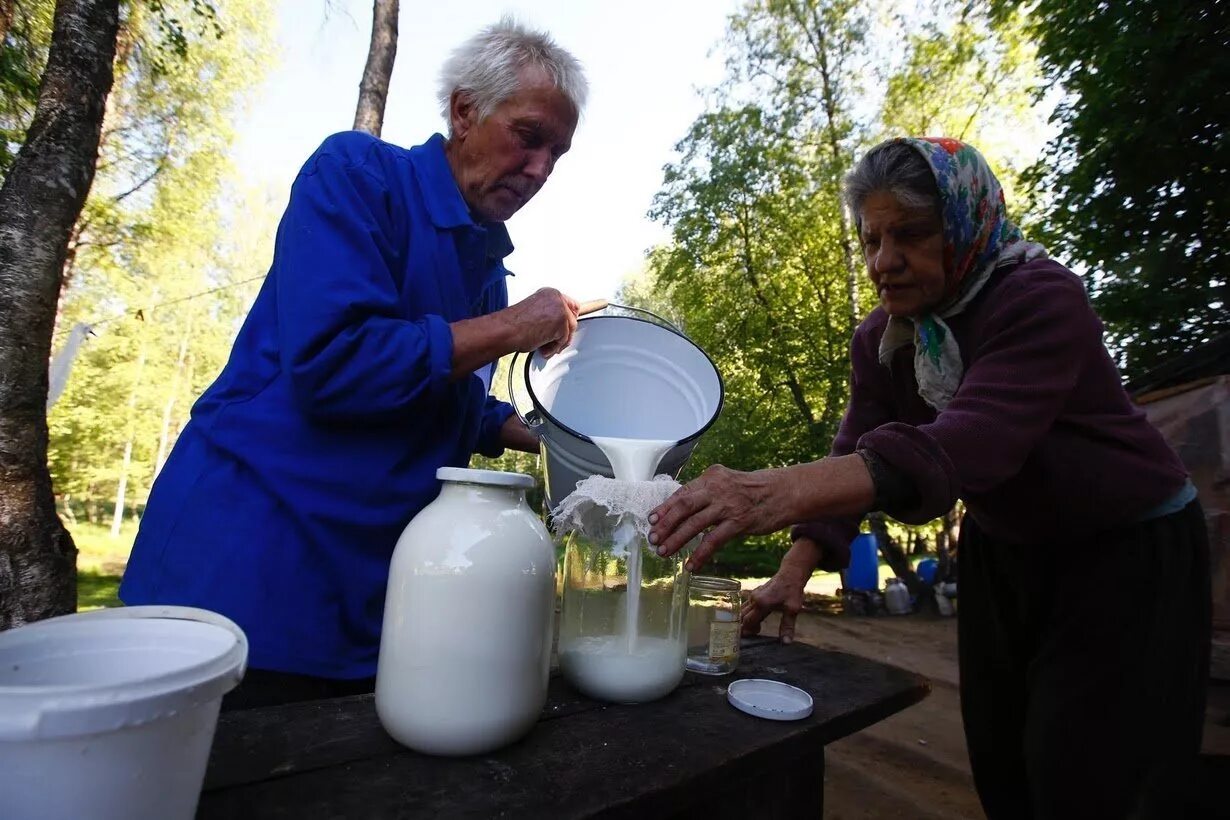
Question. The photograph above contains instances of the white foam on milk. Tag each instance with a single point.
(632, 460)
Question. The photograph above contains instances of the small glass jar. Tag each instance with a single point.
(715, 618)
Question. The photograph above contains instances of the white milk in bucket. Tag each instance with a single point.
(630, 667)
(621, 377)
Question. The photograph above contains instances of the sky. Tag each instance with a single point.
(587, 230)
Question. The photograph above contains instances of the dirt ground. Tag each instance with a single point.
(914, 764)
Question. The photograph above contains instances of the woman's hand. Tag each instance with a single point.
(783, 592)
(730, 502)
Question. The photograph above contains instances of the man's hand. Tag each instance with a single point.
(515, 435)
(543, 321)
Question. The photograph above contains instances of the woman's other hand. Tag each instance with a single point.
(783, 592)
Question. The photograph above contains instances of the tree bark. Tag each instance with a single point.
(894, 556)
(39, 203)
(816, 35)
(374, 89)
(121, 489)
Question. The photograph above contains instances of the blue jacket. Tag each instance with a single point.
(281, 503)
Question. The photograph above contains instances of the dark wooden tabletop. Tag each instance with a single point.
(687, 755)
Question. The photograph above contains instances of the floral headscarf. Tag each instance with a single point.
(978, 238)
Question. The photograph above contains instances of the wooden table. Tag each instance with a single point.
(690, 754)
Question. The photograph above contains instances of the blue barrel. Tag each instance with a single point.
(926, 570)
(864, 571)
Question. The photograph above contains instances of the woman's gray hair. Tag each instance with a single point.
(896, 168)
(488, 65)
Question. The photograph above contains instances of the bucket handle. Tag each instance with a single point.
(530, 416)
(174, 613)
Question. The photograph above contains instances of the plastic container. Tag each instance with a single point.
(715, 609)
(622, 618)
(863, 573)
(111, 714)
(466, 646)
(926, 570)
(897, 597)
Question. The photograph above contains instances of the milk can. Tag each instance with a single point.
(466, 648)
(897, 597)
(623, 634)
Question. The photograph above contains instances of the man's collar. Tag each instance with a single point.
(445, 204)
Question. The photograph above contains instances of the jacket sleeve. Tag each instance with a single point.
(495, 413)
(1023, 366)
(870, 406)
(344, 341)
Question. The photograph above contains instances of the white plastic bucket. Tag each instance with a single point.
(111, 713)
(621, 377)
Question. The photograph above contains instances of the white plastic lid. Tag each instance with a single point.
(769, 699)
(493, 478)
(99, 671)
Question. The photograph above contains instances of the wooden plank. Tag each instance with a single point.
(690, 752)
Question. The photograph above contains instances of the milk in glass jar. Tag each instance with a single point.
(466, 647)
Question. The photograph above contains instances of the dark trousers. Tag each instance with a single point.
(1084, 666)
(260, 687)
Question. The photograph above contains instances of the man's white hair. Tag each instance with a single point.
(488, 64)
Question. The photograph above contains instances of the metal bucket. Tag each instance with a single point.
(627, 374)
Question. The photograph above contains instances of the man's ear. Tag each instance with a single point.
(461, 113)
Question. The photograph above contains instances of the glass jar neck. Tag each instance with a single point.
(711, 584)
(490, 493)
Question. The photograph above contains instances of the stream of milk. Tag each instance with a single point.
(632, 460)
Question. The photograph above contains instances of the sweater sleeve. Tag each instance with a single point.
(345, 342)
(870, 406)
(1022, 368)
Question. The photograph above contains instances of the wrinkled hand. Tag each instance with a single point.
(725, 502)
(543, 321)
(781, 593)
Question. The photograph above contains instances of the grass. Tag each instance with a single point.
(100, 562)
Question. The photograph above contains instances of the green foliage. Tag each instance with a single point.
(976, 81)
(23, 53)
(1138, 171)
(154, 257)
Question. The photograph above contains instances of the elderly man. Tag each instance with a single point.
(363, 366)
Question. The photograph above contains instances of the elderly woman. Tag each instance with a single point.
(1085, 605)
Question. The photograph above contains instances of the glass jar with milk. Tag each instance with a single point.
(466, 649)
(622, 635)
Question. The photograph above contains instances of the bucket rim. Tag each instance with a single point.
(30, 712)
(546, 414)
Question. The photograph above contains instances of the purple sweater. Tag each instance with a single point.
(1041, 440)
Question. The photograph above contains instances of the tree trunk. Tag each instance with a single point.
(117, 518)
(7, 7)
(946, 543)
(164, 435)
(39, 202)
(894, 556)
(817, 37)
(374, 89)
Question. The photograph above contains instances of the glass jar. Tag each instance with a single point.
(715, 618)
(623, 612)
(465, 653)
